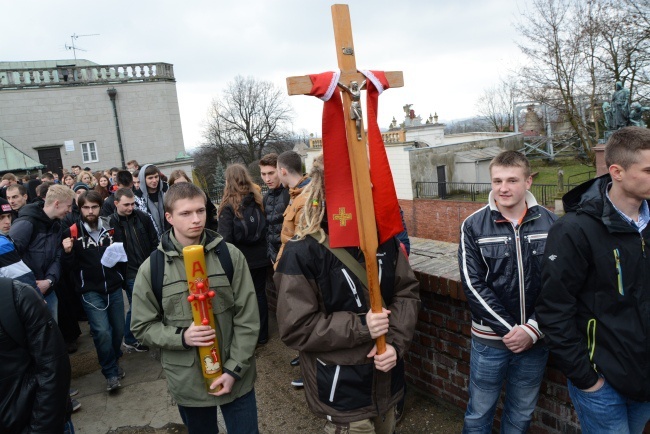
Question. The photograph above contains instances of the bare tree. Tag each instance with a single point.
(495, 105)
(250, 118)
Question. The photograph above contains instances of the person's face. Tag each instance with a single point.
(78, 193)
(136, 182)
(90, 213)
(131, 167)
(152, 181)
(16, 200)
(509, 185)
(270, 176)
(12, 182)
(62, 208)
(103, 182)
(85, 178)
(5, 223)
(635, 180)
(76, 170)
(125, 206)
(69, 181)
(188, 219)
(56, 176)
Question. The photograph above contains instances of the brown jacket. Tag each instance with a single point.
(321, 312)
(292, 214)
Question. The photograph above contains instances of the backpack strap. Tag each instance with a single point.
(9, 320)
(157, 265)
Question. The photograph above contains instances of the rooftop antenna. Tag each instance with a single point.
(75, 48)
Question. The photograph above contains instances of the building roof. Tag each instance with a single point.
(11, 159)
(40, 64)
(481, 154)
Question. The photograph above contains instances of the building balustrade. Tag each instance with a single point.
(20, 78)
(388, 137)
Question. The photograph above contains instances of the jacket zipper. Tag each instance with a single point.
(619, 271)
(591, 341)
(334, 382)
(494, 240)
(520, 267)
(353, 287)
(534, 237)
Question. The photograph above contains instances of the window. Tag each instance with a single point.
(89, 152)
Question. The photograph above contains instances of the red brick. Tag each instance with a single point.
(442, 372)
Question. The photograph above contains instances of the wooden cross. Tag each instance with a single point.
(357, 149)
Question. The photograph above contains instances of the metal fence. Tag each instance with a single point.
(479, 191)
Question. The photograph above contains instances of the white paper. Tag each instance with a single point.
(69, 145)
(113, 254)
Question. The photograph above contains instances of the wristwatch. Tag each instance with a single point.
(51, 284)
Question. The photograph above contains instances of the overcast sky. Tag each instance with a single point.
(449, 51)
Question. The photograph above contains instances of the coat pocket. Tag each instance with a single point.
(345, 387)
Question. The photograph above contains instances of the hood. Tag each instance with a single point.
(295, 191)
(142, 177)
(35, 211)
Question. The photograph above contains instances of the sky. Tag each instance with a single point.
(449, 52)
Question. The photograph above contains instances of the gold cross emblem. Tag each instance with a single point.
(342, 217)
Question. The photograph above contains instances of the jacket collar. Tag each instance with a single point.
(171, 247)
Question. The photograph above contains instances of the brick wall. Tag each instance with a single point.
(436, 219)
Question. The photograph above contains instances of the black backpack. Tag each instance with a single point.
(249, 229)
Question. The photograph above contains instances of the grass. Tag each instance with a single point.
(547, 170)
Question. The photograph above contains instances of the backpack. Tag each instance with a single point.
(157, 265)
(249, 229)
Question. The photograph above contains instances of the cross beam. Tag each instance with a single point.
(357, 148)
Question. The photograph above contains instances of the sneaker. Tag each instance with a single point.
(138, 347)
(295, 362)
(120, 372)
(298, 383)
(76, 405)
(71, 347)
(74, 392)
(112, 384)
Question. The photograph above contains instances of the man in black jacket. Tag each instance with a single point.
(35, 368)
(138, 234)
(98, 280)
(275, 202)
(499, 259)
(594, 307)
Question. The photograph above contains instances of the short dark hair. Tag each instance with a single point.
(41, 189)
(89, 196)
(181, 190)
(291, 161)
(114, 169)
(124, 178)
(123, 192)
(623, 146)
(511, 159)
(136, 173)
(269, 160)
(48, 176)
(132, 163)
(151, 170)
(22, 190)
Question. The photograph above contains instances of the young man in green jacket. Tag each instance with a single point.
(169, 325)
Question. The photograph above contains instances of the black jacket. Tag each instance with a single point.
(595, 301)
(139, 236)
(34, 375)
(255, 254)
(38, 241)
(84, 260)
(493, 255)
(275, 202)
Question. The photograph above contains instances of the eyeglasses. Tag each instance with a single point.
(88, 208)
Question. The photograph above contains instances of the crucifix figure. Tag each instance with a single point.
(355, 133)
(355, 106)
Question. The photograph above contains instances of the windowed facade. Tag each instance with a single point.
(89, 152)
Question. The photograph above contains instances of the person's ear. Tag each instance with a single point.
(616, 172)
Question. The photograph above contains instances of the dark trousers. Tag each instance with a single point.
(240, 417)
(259, 282)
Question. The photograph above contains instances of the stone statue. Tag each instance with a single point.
(636, 110)
(355, 106)
(620, 107)
(609, 119)
(407, 109)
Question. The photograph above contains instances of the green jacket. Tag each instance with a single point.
(236, 315)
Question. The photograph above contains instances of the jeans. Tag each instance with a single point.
(489, 368)
(52, 305)
(606, 411)
(240, 417)
(129, 339)
(105, 314)
(259, 282)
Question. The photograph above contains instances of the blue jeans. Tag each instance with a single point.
(489, 368)
(52, 305)
(240, 417)
(606, 411)
(129, 339)
(105, 314)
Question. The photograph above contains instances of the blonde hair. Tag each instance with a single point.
(92, 182)
(238, 185)
(313, 212)
(58, 192)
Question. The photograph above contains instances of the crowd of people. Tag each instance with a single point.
(575, 287)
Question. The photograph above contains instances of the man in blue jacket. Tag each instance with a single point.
(499, 256)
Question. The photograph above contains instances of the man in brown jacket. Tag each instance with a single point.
(323, 312)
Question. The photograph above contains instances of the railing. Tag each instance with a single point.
(20, 78)
(388, 137)
(479, 191)
(589, 175)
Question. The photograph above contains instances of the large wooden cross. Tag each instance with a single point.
(357, 148)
